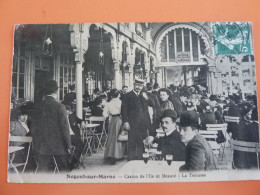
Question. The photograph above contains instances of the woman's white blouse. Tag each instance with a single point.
(113, 107)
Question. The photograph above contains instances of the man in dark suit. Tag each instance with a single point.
(136, 119)
(170, 143)
(71, 96)
(199, 155)
(74, 124)
(155, 90)
(50, 131)
(176, 100)
(155, 108)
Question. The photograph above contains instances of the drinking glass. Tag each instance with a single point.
(158, 155)
(169, 159)
(145, 157)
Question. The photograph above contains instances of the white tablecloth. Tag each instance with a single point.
(138, 166)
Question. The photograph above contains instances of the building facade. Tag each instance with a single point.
(95, 55)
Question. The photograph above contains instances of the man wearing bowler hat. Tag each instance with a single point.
(199, 155)
(169, 143)
(50, 131)
(136, 119)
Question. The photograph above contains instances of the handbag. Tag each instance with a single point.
(123, 136)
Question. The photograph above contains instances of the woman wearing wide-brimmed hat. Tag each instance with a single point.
(19, 126)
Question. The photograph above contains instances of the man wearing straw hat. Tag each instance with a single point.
(136, 119)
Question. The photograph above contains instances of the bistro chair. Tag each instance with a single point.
(87, 136)
(231, 119)
(243, 146)
(211, 137)
(103, 134)
(219, 127)
(56, 168)
(232, 122)
(21, 139)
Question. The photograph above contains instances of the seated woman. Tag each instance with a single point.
(207, 116)
(97, 110)
(164, 99)
(246, 128)
(253, 136)
(86, 100)
(19, 127)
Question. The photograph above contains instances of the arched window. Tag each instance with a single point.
(181, 45)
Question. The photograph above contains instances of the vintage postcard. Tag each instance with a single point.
(133, 102)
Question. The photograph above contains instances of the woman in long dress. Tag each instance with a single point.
(114, 149)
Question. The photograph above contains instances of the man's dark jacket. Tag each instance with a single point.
(50, 128)
(199, 156)
(135, 112)
(172, 145)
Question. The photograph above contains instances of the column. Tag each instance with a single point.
(79, 89)
(218, 83)
(147, 76)
(117, 74)
(79, 34)
(209, 83)
(131, 77)
(212, 83)
(159, 75)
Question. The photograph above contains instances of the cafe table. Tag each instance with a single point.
(87, 134)
(89, 129)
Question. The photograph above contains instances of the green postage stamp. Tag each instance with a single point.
(232, 38)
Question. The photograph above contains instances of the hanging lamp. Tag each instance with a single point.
(47, 43)
(101, 54)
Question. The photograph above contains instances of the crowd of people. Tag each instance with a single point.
(170, 118)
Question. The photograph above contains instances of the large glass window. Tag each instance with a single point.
(183, 45)
(171, 46)
(195, 52)
(67, 73)
(164, 50)
(186, 34)
(18, 74)
(179, 39)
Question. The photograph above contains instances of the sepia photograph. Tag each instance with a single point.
(133, 103)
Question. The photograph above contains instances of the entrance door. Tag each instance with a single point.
(41, 77)
(44, 69)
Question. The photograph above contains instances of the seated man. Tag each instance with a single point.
(74, 123)
(199, 155)
(170, 143)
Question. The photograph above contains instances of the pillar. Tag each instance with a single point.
(79, 34)
(79, 89)
(131, 77)
(117, 74)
